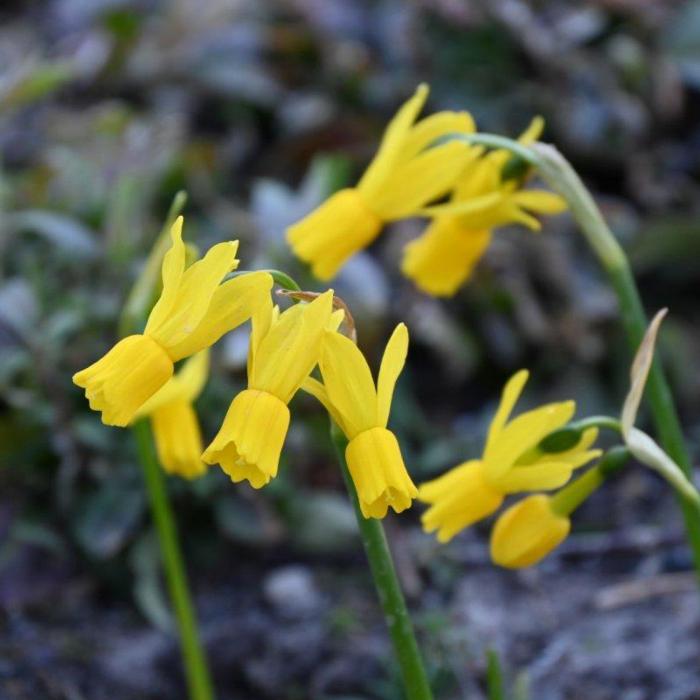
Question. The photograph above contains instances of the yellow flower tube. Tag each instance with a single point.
(527, 532)
(441, 259)
(511, 463)
(408, 172)
(284, 348)
(194, 310)
(361, 410)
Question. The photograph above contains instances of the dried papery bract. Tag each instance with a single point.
(640, 444)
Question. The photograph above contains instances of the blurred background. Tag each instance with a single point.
(259, 110)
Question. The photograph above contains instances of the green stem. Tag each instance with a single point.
(196, 670)
(281, 279)
(566, 501)
(559, 174)
(388, 588)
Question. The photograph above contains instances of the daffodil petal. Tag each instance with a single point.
(523, 433)
(197, 287)
(392, 363)
(542, 476)
(424, 178)
(427, 131)
(318, 391)
(349, 383)
(172, 269)
(291, 348)
(392, 142)
(232, 304)
(540, 201)
(511, 393)
(459, 499)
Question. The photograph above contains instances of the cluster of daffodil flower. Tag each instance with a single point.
(136, 378)
(418, 165)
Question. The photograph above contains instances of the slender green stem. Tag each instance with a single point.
(559, 174)
(196, 670)
(494, 676)
(567, 500)
(388, 588)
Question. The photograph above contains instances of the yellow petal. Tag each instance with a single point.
(349, 383)
(331, 234)
(261, 320)
(178, 439)
(186, 385)
(424, 178)
(379, 474)
(579, 454)
(480, 178)
(540, 201)
(249, 443)
(290, 350)
(523, 433)
(427, 131)
(393, 142)
(232, 304)
(317, 390)
(197, 287)
(443, 258)
(121, 381)
(392, 363)
(545, 475)
(464, 209)
(527, 532)
(459, 498)
(533, 131)
(172, 269)
(511, 393)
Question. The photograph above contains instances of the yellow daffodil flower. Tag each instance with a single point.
(194, 310)
(511, 463)
(175, 425)
(444, 256)
(361, 411)
(284, 348)
(408, 172)
(527, 532)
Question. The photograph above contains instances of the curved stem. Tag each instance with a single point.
(196, 670)
(559, 174)
(282, 279)
(388, 588)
